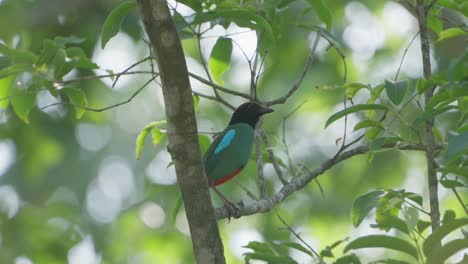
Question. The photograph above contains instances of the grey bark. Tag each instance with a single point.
(182, 131)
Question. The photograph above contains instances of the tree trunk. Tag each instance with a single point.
(182, 131)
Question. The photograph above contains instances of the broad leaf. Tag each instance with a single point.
(456, 146)
(396, 91)
(322, 11)
(367, 123)
(15, 69)
(450, 184)
(6, 85)
(78, 98)
(353, 109)
(220, 58)
(442, 254)
(16, 55)
(431, 113)
(155, 135)
(382, 241)
(112, 23)
(298, 247)
(363, 205)
(451, 33)
(434, 239)
(23, 100)
(348, 259)
(352, 88)
(62, 41)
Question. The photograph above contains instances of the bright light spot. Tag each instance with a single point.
(84, 253)
(241, 238)
(7, 155)
(365, 33)
(92, 137)
(152, 215)
(116, 179)
(321, 46)
(398, 20)
(9, 200)
(120, 52)
(44, 98)
(181, 223)
(158, 172)
(22, 259)
(100, 206)
(24, 80)
(61, 19)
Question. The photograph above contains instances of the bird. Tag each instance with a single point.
(230, 151)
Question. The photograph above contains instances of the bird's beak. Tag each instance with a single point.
(266, 111)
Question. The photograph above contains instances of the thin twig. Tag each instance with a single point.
(93, 77)
(272, 157)
(131, 67)
(404, 55)
(298, 236)
(460, 200)
(219, 87)
(247, 191)
(107, 107)
(298, 82)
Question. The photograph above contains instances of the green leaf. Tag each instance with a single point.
(157, 135)
(451, 33)
(269, 258)
(23, 101)
(363, 205)
(327, 252)
(6, 85)
(390, 261)
(15, 69)
(156, 125)
(431, 113)
(204, 143)
(78, 98)
(396, 90)
(456, 146)
(367, 123)
(112, 23)
(15, 55)
(322, 11)
(446, 96)
(382, 241)
(414, 197)
(461, 171)
(442, 254)
(352, 88)
(422, 225)
(386, 221)
(79, 58)
(220, 58)
(59, 64)
(375, 93)
(353, 109)
(448, 183)
(47, 54)
(247, 18)
(434, 239)
(434, 24)
(298, 247)
(196, 5)
(348, 259)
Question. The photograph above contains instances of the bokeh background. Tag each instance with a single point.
(72, 191)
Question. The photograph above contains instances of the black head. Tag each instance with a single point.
(249, 113)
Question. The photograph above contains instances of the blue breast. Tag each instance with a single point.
(226, 141)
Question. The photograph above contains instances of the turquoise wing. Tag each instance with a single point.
(229, 151)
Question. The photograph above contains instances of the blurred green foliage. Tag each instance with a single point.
(72, 190)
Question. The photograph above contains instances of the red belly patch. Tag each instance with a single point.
(227, 177)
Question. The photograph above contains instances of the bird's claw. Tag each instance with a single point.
(233, 209)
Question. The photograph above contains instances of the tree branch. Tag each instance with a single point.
(265, 205)
(182, 131)
(422, 11)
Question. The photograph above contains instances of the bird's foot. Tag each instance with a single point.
(233, 209)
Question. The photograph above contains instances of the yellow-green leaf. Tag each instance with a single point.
(220, 58)
(23, 101)
(451, 33)
(5, 90)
